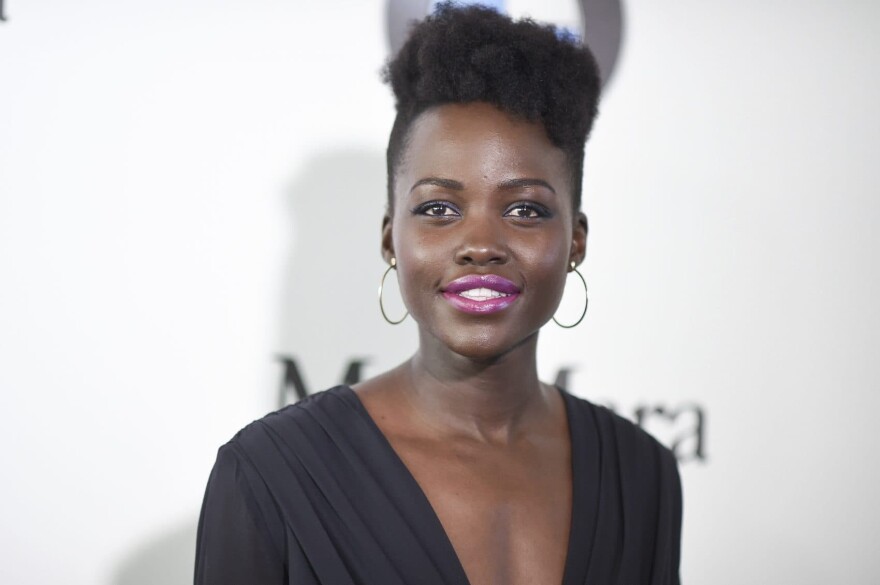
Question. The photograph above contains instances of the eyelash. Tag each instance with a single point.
(425, 207)
(539, 210)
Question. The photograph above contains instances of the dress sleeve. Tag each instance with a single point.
(675, 497)
(236, 544)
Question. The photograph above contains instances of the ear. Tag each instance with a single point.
(579, 239)
(387, 239)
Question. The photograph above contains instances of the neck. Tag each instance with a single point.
(492, 400)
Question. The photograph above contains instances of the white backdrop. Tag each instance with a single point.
(189, 188)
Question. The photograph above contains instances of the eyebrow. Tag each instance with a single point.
(507, 185)
(518, 183)
(438, 182)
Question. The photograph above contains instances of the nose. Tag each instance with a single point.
(482, 242)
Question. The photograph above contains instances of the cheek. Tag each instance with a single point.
(420, 259)
(548, 267)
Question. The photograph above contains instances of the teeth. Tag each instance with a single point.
(482, 294)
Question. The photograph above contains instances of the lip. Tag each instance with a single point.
(490, 281)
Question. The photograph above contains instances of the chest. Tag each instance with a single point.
(506, 511)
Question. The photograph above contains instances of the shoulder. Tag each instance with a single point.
(259, 446)
(630, 447)
(271, 456)
(289, 446)
(262, 478)
(639, 482)
(292, 421)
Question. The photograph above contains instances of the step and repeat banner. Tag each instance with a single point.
(191, 194)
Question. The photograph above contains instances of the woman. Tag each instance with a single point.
(459, 466)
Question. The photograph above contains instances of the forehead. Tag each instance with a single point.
(477, 142)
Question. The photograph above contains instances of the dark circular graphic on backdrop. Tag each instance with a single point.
(601, 25)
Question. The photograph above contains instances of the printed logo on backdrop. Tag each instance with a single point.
(598, 23)
(681, 427)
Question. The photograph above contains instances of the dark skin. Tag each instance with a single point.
(481, 192)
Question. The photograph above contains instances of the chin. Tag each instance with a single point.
(485, 345)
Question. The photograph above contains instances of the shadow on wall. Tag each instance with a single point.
(167, 559)
(329, 311)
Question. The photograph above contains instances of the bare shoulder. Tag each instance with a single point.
(381, 397)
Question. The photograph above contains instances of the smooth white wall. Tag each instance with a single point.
(189, 188)
(732, 185)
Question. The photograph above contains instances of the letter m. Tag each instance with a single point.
(293, 388)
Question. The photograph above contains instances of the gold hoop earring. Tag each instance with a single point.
(392, 265)
(586, 300)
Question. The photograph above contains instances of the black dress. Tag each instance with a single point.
(314, 494)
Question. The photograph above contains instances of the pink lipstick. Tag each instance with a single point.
(481, 293)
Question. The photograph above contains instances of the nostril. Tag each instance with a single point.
(481, 257)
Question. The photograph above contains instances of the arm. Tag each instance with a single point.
(235, 545)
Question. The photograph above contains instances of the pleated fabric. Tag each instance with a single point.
(314, 494)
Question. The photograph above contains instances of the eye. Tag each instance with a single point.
(527, 211)
(436, 209)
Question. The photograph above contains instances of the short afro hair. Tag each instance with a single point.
(474, 54)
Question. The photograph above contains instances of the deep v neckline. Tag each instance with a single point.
(584, 494)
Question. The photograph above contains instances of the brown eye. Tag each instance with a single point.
(437, 209)
(526, 211)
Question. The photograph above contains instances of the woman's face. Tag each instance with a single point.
(483, 228)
